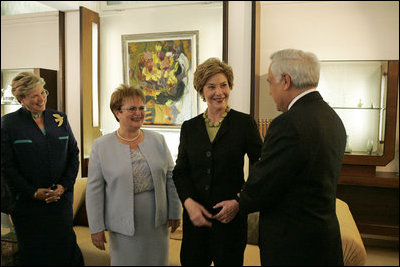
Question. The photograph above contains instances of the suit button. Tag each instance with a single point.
(208, 154)
(206, 187)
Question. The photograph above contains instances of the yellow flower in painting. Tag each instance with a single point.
(171, 75)
(158, 47)
(156, 59)
(154, 75)
(146, 73)
(59, 119)
(151, 92)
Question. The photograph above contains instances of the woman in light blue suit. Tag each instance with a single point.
(130, 191)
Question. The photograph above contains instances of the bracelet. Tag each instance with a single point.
(35, 195)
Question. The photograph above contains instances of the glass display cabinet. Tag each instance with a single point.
(364, 95)
(9, 103)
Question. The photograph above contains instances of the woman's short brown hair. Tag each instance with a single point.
(24, 83)
(122, 92)
(209, 68)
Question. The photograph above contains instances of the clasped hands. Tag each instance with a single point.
(49, 195)
(199, 215)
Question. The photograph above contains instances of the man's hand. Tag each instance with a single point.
(228, 212)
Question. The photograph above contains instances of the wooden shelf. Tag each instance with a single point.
(373, 200)
(380, 179)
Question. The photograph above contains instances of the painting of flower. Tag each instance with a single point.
(162, 65)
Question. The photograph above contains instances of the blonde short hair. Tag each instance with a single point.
(209, 68)
(24, 83)
(121, 93)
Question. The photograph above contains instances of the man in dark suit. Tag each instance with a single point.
(293, 185)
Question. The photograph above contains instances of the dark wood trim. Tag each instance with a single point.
(380, 179)
(358, 170)
(255, 60)
(51, 79)
(380, 230)
(225, 23)
(391, 112)
(84, 168)
(373, 202)
(88, 132)
(61, 60)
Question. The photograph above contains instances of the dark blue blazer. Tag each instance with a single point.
(30, 159)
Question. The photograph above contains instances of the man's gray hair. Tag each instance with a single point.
(302, 67)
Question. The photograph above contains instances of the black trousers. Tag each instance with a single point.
(223, 244)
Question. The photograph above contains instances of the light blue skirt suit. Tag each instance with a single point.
(137, 223)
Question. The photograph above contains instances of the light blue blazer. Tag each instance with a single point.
(109, 191)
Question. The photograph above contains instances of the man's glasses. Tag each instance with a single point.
(133, 109)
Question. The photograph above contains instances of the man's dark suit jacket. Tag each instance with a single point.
(294, 186)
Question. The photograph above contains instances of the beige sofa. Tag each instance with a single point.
(354, 253)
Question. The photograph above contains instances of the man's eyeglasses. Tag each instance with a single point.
(133, 109)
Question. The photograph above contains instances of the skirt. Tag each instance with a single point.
(148, 245)
(45, 233)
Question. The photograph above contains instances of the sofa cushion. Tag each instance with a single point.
(79, 194)
(354, 253)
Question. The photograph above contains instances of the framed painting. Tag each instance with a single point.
(162, 65)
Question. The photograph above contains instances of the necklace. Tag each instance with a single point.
(129, 140)
(218, 123)
(35, 116)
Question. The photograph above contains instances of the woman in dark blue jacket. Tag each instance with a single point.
(39, 160)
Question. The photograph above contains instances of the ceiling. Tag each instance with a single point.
(23, 7)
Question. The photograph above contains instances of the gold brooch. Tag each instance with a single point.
(59, 119)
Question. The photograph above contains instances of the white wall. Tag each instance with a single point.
(239, 53)
(239, 58)
(206, 19)
(345, 30)
(332, 30)
(30, 41)
(72, 75)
